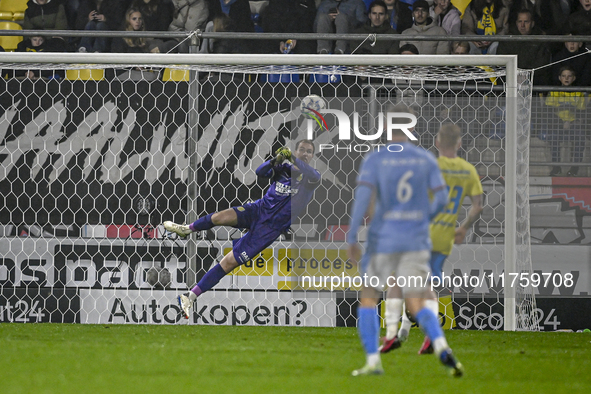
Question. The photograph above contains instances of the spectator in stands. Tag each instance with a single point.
(189, 15)
(399, 15)
(460, 48)
(47, 15)
(341, 17)
(530, 54)
(104, 15)
(289, 16)
(576, 56)
(425, 25)
(447, 16)
(555, 15)
(229, 15)
(36, 44)
(566, 124)
(237, 10)
(157, 14)
(377, 24)
(579, 22)
(134, 22)
(535, 6)
(485, 18)
(409, 49)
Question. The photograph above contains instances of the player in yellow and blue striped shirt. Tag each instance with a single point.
(462, 180)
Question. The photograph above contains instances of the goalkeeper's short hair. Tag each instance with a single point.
(305, 141)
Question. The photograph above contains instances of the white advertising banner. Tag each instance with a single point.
(265, 308)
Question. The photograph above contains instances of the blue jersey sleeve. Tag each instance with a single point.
(265, 170)
(311, 174)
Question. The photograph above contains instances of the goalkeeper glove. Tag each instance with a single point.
(282, 154)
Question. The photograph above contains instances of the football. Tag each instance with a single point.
(312, 102)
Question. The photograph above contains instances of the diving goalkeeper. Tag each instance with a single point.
(292, 188)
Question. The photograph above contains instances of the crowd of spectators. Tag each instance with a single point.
(486, 18)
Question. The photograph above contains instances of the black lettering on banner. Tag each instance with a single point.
(303, 308)
(313, 264)
(118, 310)
(338, 264)
(154, 307)
(224, 317)
(246, 318)
(260, 263)
(277, 310)
(176, 316)
(302, 265)
(261, 315)
(325, 264)
(134, 315)
(200, 315)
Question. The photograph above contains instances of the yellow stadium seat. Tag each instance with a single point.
(87, 74)
(173, 74)
(13, 9)
(9, 43)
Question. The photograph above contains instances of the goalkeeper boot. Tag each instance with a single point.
(185, 304)
(181, 229)
(456, 369)
(368, 369)
(390, 344)
(427, 348)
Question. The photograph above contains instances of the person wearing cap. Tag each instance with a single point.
(424, 25)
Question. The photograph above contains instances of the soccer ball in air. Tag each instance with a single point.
(314, 102)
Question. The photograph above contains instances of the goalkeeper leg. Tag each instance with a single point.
(227, 217)
(209, 280)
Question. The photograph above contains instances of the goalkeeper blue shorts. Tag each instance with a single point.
(436, 264)
(259, 236)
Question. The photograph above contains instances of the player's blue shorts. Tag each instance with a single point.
(259, 236)
(436, 263)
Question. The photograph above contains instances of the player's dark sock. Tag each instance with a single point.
(210, 279)
(203, 223)
(369, 329)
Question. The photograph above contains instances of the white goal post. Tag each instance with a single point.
(518, 303)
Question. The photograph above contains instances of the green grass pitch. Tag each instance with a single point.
(65, 358)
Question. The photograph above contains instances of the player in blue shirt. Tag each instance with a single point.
(394, 187)
(292, 188)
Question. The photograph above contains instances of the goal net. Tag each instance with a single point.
(97, 152)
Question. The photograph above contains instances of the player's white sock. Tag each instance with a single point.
(439, 345)
(404, 328)
(393, 313)
(433, 305)
(373, 359)
(192, 296)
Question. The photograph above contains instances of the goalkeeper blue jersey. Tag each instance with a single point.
(401, 183)
(289, 194)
